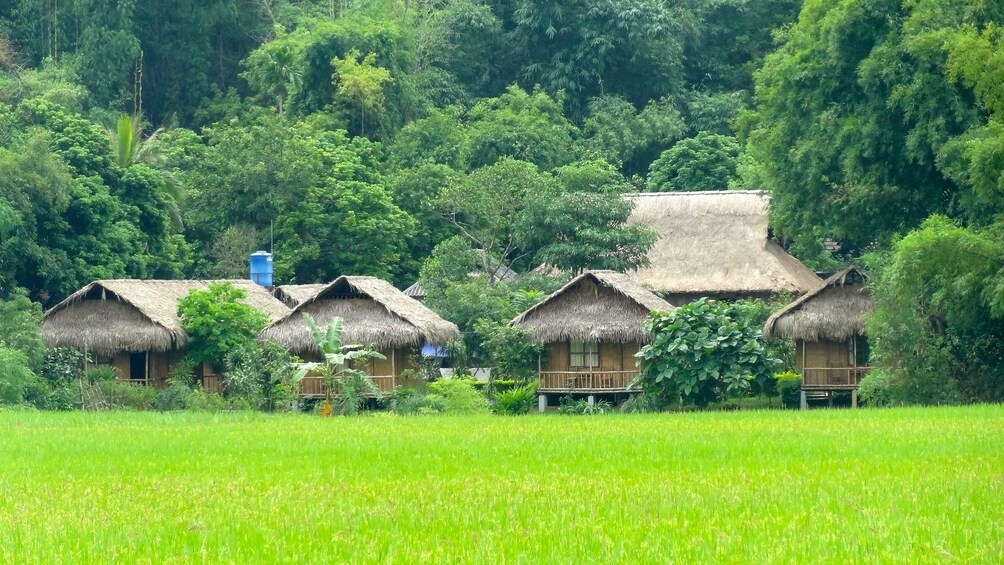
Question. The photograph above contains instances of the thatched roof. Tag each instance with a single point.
(109, 316)
(293, 294)
(415, 291)
(595, 306)
(836, 310)
(715, 243)
(373, 312)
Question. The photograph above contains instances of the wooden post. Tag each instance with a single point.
(542, 403)
(803, 403)
(854, 398)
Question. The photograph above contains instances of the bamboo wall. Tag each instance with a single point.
(613, 356)
(822, 354)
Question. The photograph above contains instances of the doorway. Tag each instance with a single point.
(138, 367)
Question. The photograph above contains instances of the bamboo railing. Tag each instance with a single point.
(589, 380)
(833, 377)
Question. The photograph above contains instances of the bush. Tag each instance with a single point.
(262, 375)
(202, 401)
(15, 376)
(703, 352)
(789, 388)
(515, 401)
(581, 407)
(642, 404)
(876, 389)
(174, 397)
(119, 394)
(63, 364)
(102, 373)
(455, 396)
(218, 321)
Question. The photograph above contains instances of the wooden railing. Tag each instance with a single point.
(313, 385)
(585, 381)
(833, 377)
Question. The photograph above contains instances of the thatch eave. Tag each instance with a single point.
(595, 306)
(837, 310)
(373, 312)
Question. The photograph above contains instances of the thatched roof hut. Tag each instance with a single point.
(109, 316)
(415, 291)
(595, 306)
(373, 311)
(834, 311)
(293, 294)
(715, 244)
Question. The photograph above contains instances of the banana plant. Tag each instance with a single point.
(336, 369)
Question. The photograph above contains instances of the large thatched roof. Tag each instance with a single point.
(836, 310)
(715, 243)
(109, 316)
(595, 306)
(293, 294)
(373, 312)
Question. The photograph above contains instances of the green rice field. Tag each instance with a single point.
(904, 485)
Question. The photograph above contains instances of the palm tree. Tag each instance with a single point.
(128, 145)
(337, 369)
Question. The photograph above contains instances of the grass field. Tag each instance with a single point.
(911, 485)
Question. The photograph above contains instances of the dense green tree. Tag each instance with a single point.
(703, 352)
(617, 132)
(360, 84)
(628, 48)
(523, 126)
(939, 321)
(347, 223)
(705, 162)
(853, 111)
(217, 321)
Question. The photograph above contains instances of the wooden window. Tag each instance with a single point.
(584, 354)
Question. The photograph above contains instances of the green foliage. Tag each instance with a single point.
(15, 376)
(575, 231)
(360, 83)
(174, 397)
(618, 133)
(63, 365)
(455, 397)
(856, 113)
(876, 389)
(347, 222)
(702, 352)
(789, 388)
(642, 404)
(340, 377)
(217, 322)
(705, 162)
(571, 407)
(20, 320)
(519, 126)
(515, 401)
(127, 396)
(262, 375)
(938, 326)
(512, 353)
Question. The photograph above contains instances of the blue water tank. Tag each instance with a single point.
(261, 268)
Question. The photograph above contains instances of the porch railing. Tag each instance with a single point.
(585, 381)
(833, 377)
